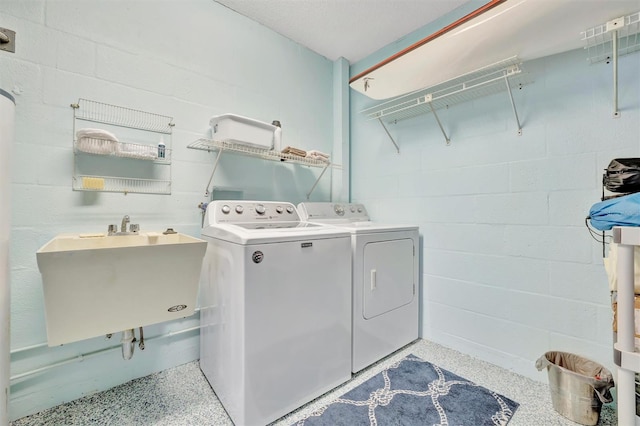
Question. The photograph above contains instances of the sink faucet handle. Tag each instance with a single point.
(134, 227)
(112, 229)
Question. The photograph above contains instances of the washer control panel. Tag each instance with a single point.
(354, 212)
(224, 211)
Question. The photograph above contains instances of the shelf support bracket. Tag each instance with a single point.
(433, 110)
(390, 137)
(513, 105)
(614, 47)
(215, 166)
(318, 180)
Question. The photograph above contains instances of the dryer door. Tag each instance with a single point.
(388, 276)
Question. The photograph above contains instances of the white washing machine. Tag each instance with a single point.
(275, 309)
(385, 279)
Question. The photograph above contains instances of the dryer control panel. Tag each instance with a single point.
(353, 212)
(241, 211)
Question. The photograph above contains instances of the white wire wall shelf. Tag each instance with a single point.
(132, 125)
(599, 39)
(265, 154)
(493, 79)
(99, 146)
(607, 42)
(99, 112)
(270, 155)
(120, 184)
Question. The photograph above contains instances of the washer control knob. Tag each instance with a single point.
(339, 209)
(359, 209)
(260, 209)
(279, 209)
(239, 209)
(226, 209)
(353, 209)
(290, 209)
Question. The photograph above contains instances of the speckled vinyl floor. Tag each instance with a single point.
(182, 396)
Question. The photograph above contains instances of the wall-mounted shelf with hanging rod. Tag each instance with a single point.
(271, 155)
(496, 78)
(528, 29)
(609, 41)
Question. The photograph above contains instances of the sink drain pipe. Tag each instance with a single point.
(128, 341)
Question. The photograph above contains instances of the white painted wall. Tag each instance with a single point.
(509, 269)
(188, 59)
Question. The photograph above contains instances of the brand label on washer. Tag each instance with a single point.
(257, 256)
(303, 245)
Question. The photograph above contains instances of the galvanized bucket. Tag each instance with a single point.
(578, 386)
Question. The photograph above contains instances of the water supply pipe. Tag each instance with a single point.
(7, 114)
(85, 356)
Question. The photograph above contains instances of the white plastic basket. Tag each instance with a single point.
(242, 130)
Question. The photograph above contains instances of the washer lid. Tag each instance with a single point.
(276, 225)
(271, 232)
(251, 222)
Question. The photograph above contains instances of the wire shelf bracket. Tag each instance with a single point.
(271, 155)
(482, 82)
(609, 41)
(390, 137)
(435, 115)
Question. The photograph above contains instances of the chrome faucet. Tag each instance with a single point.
(134, 228)
(125, 220)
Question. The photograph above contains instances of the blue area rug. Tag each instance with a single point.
(415, 392)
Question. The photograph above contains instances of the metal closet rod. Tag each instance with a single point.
(464, 19)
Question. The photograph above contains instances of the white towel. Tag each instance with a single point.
(96, 134)
(96, 141)
(317, 155)
(132, 150)
(611, 266)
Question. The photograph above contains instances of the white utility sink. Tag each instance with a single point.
(96, 284)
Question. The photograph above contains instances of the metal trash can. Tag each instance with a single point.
(578, 385)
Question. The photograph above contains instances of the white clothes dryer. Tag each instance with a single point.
(384, 275)
(275, 309)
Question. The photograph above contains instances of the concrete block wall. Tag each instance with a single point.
(509, 270)
(187, 59)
